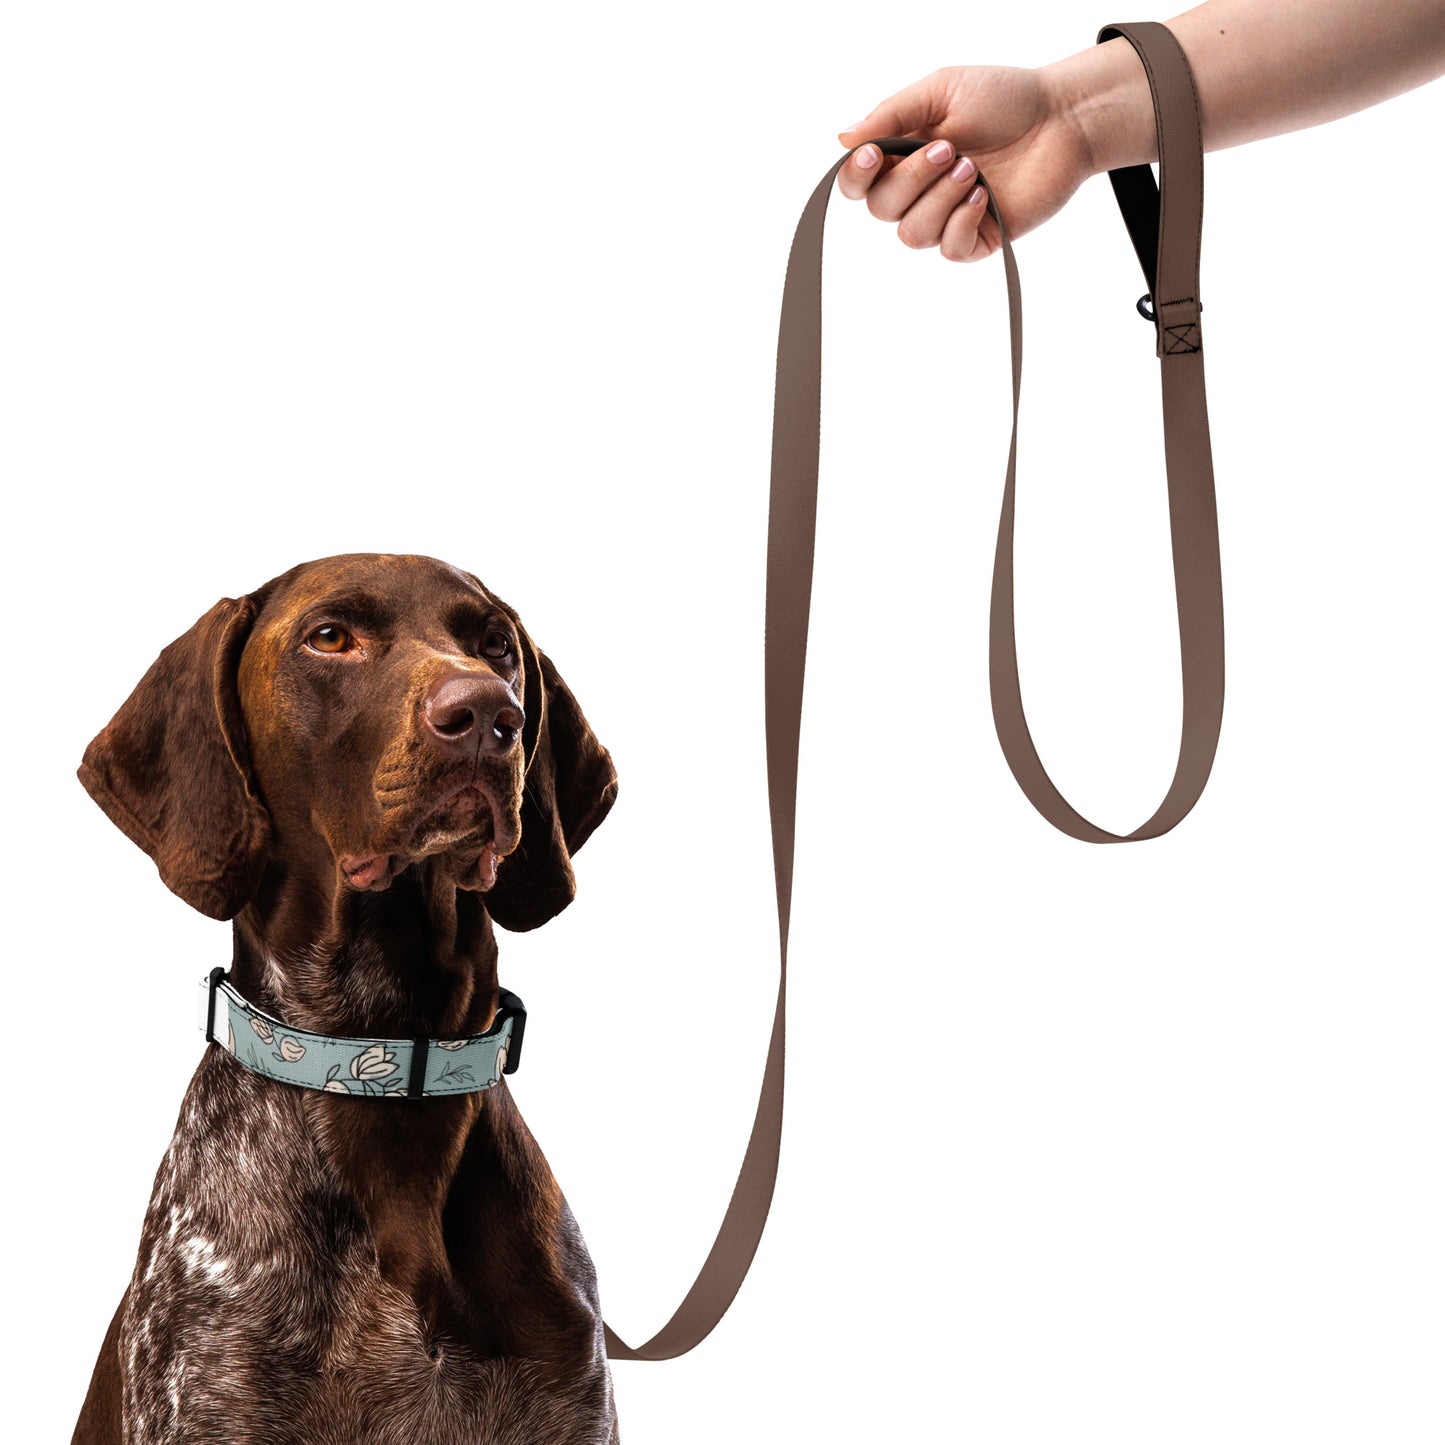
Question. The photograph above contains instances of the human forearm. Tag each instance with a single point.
(1262, 67)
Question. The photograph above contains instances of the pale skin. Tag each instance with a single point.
(1262, 67)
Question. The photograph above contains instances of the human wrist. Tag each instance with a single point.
(1103, 96)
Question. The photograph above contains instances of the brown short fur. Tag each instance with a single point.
(319, 1270)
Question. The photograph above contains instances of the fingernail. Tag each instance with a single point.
(977, 196)
(867, 158)
(857, 125)
(964, 170)
(939, 152)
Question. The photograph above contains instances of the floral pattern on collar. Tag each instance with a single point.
(372, 1068)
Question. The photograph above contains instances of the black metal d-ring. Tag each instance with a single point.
(1145, 306)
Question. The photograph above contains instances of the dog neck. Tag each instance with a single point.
(418, 958)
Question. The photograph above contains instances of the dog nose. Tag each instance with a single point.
(460, 708)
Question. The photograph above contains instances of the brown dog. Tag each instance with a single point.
(366, 763)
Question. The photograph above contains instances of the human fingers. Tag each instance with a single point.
(892, 195)
(917, 107)
(922, 223)
(860, 171)
(965, 235)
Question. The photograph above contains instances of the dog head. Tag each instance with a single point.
(349, 719)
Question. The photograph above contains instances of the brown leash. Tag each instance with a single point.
(1164, 225)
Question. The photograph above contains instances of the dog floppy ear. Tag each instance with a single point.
(172, 769)
(570, 788)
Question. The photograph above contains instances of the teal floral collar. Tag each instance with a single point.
(372, 1068)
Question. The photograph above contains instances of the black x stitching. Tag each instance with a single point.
(1181, 338)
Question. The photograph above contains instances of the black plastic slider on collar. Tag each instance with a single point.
(217, 974)
(416, 1080)
(509, 1006)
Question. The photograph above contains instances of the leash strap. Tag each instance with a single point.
(1165, 230)
(1164, 223)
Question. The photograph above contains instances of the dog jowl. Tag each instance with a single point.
(365, 764)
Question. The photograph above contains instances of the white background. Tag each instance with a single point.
(1129, 1145)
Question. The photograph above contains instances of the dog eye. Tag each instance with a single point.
(497, 644)
(330, 638)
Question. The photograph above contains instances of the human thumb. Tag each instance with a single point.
(914, 108)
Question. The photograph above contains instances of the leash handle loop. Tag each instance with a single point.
(1165, 232)
(1164, 222)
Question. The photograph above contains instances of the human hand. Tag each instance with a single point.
(1014, 125)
